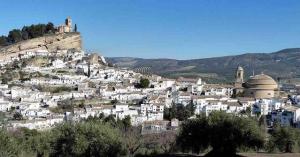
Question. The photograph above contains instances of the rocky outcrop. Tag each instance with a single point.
(51, 43)
(96, 59)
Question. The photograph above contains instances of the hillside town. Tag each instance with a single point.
(149, 78)
(40, 89)
(49, 82)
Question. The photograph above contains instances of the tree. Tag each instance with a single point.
(34, 141)
(50, 27)
(262, 121)
(179, 111)
(164, 140)
(4, 80)
(14, 36)
(25, 35)
(133, 140)
(91, 84)
(110, 65)
(246, 112)
(8, 146)
(170, 113)
(167, 141)
(110, 120)
(114, 101)
(18, 116)
(101, 116)
(191, 107)
(229, 132)
(87, 139)
(27, 32)
(144, 83)
(193, 135)
(75, 28)
(225, 133)
(182, 112)
(41, 144)
(3, 40)
(3, 118)
(284, 139)
(126, 122)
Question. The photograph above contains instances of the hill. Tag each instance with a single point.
(49, 43)
(282, 64)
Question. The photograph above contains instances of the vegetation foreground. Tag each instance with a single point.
(218, 134)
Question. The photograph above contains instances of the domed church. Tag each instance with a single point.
(259, 86)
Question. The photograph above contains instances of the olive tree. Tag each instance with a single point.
(284, 139)
(8, 146)
(224, 133)
(86, 139)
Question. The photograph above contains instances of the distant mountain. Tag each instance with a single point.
(282, 64)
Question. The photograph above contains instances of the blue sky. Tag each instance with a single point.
(181, 29)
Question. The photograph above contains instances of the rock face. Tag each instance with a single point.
(51, 43)
(97, 59)
(93, 58)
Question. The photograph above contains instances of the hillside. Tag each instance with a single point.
(284, 64)
(51, 42)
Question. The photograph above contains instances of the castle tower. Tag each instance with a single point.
(65, 28)
(68, 22)
(68, 25)
(239, 76)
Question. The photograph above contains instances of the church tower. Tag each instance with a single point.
(239, 77)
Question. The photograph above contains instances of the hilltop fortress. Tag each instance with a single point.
(67, 27)
(63, 39)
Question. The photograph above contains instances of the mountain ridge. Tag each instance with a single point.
(284, 63)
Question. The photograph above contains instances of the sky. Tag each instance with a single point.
(179, 29)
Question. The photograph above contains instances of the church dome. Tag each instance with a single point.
(261, 81)
(240, 68)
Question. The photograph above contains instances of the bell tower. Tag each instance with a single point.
(239, 76)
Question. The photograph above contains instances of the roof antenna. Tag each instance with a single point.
(253, 72)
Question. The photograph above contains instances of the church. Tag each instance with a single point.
(259, 86)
